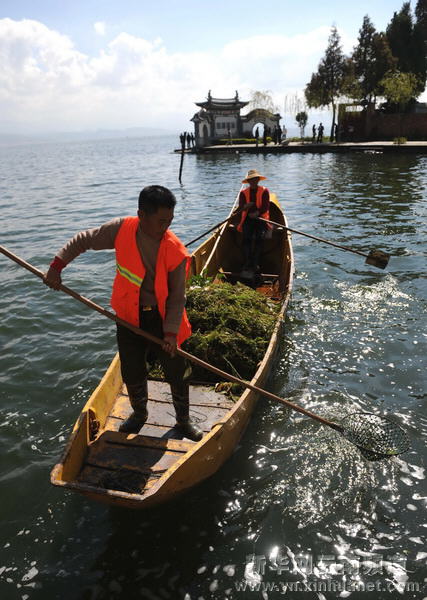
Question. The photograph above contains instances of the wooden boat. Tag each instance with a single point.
(154, 466)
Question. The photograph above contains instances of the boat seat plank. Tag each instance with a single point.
(164, 414)
(157, 431)
(199, 394)
(161, 413)
(132, 439)
(104, 453)
(110, 478)
(113, 424)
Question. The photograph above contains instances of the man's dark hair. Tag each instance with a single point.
(153, 197)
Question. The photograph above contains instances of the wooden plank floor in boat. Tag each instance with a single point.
(133, 462)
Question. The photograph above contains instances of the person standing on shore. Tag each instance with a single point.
(229, 140)
(148, 292)
(264, 136)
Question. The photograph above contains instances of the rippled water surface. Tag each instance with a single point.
(296, 502)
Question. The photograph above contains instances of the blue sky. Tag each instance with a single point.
(77, 65)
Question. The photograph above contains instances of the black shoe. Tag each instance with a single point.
(138, 398)
(181, 402)
(189, 430)
(134, 423)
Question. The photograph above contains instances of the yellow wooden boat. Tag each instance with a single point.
(154, 466)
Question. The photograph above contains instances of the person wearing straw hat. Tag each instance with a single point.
(255, 202)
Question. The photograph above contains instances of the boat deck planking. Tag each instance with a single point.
(113, 455)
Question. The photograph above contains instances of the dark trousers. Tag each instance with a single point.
(135, 353)
(253, 234)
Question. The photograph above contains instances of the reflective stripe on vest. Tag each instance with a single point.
(129, 276)
(131, 272)
(247, 194)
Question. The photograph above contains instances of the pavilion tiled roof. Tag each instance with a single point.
(222, 103)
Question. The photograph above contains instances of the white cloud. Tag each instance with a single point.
(47, 84)
(99, 27)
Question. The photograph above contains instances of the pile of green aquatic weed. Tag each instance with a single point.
(232, 326)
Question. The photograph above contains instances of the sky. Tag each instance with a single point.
(84, 65)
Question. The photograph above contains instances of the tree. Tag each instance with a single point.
(421, 17)
(407, 42)
(399, 88)
(301, 118)
(420, 42)
(294, 104)
(326, 85)
(370, 61)
(363, 57)
(263, 99)
(399, 36)
(383, 63)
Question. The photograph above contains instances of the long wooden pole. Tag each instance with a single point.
(183, 138)
(237, 212)
(313, 237)
(180, 166)
(187, 355)
(378, 258)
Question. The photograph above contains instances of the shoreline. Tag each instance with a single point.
(317, 148)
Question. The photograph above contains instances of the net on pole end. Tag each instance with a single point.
(377, 437)
(378, 258)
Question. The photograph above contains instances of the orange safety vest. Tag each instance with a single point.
(131, 272)
(259, 192)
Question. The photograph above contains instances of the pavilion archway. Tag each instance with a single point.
(260, 127)
(257, 116)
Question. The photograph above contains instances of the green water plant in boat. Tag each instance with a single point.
(232, 326)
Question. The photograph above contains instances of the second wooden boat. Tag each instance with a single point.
(154, 466)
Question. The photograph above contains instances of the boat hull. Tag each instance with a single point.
(166, 465)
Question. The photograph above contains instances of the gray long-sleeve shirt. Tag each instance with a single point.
(103, 238)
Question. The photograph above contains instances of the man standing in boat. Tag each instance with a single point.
(148, 292)
(255, 202)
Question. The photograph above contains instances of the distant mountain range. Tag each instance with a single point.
(9, 138)
(131, 132)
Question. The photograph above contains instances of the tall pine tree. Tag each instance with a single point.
(371, 59)
(420, 43)
(326, 86)
(399, 36)
(421, 17)
(407, 45)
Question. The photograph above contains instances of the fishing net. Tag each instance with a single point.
(378, 258)
(376, 437)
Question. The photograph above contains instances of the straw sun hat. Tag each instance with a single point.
(251, 174)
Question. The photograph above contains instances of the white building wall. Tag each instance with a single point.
(222, 123)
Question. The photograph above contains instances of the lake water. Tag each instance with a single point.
(296, 502)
